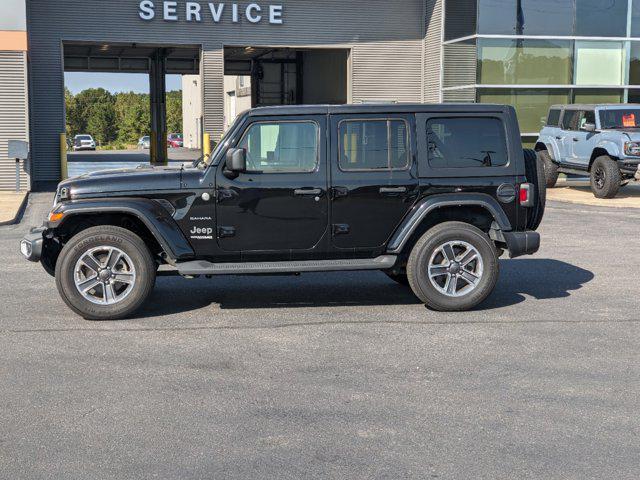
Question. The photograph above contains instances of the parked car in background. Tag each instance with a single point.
(83, 142)
(602, 141)
(432, 195)
(144, 143)
(175, 140)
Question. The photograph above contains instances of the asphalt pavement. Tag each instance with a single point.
(341, 376)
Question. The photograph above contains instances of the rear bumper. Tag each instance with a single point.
(31, 244)
(522, 243)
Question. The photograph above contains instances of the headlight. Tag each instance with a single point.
(632, 149)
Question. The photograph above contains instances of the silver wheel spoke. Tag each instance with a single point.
(123, 277)
(438, 271)
(469, 257)
(91, 263)
(88, 284)
(448, 252)
(469, 277)
(114, 258)
(452, 285)
(109, 293)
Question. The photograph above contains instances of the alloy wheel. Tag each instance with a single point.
(104, 275)
(455, 268)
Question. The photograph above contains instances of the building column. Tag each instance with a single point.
(157, 90)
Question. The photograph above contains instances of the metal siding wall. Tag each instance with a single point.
(13, 113)
(460, 64)
(385, 37)
(432, 51)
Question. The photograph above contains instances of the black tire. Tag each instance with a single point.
(106, 236)
(400, 278)
(605, 177)
(429, 244)
(534, 168)
(550, 169)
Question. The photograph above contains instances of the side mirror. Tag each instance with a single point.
(236, 160)
(589, 127)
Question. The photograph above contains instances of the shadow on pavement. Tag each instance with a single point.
(538, 278)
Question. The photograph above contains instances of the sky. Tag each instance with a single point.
(115, 82)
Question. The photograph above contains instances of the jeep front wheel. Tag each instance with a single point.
(605, 177)
(453, 267)
(105, 273)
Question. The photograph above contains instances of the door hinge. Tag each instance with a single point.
(341, 229)
(226, 232)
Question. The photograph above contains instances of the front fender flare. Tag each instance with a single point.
(612, 148)
(423, 208)
(155, 217)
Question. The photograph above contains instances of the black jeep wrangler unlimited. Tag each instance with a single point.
(430, 194)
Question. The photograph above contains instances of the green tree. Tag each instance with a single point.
(133, 116)
(174, 111)
(91, 111)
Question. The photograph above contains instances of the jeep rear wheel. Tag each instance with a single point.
(453, 267)
(550, 169)
(605, 177)
(105, 273)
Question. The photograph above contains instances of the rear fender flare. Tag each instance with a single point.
(155, 217)
(425, 207)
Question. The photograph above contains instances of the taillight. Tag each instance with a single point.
(526, 195)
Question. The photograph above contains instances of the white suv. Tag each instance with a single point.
(83, 142)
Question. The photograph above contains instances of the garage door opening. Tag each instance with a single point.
(135, 104)
(262, 76)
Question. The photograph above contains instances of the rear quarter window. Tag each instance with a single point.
(553, 120)
(466, 142)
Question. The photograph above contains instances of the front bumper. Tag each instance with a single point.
(522, 243)
(31, 244)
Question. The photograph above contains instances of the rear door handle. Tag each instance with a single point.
(393, 190)
(576, 139)
(308, 191)
(558, 138)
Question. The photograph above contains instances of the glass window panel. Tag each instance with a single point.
(570, 119)
(634, 67)
(459, 19)
(634, 96)
(373, 145)
(509, 62)
(281, 147)
(596, 96)
(532, 106)
(525, 17)
(635, 19)
(601, 18)
(620, 118)
(553, 120)
(599, 63)
(466, 142)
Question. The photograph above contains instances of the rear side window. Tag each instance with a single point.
(553, 120)
(373, 145)
(570, 119)
(466, 142)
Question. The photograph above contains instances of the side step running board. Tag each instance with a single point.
(201, 267)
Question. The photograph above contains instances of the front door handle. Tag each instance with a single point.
(558, 138)
(576, 139)
(308, 191)
(391, 190)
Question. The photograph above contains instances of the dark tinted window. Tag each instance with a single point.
(570, 119)
(620, 118)
(601, 18)
(373, 145)
(525, 17)
(635, 19)
(466, 143)
(553, 120)
(588, 116)
(459, 19)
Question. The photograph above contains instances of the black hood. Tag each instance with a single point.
(124, 180)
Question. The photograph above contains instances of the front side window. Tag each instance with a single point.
(588, 116)
(281, 147)
(373, 145)
(466, 143)
(570, 119)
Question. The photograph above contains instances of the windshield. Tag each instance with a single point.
(620, 118)
(83, 137)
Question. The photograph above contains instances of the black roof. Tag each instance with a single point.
(380, 108)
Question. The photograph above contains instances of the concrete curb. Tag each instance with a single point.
(19, 212)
